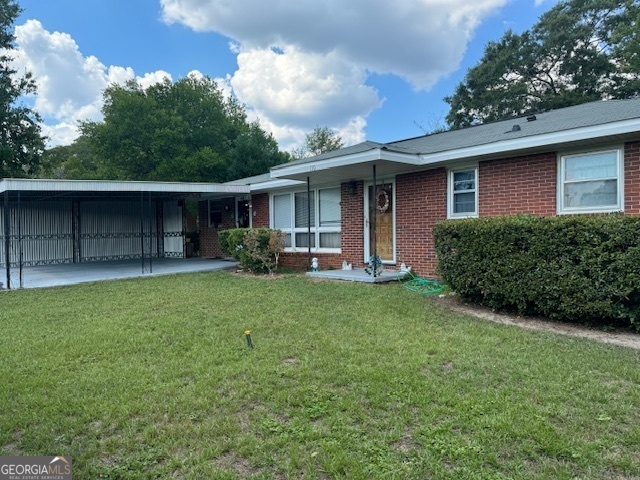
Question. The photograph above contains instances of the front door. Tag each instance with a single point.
(381, 204)
(242, 214)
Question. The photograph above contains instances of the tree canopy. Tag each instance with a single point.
(320, 140)
(182, 131)
(579, 51)
(21, 142)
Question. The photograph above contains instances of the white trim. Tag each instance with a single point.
(450, 193)
(619, 207)
(279, 183)
(353, 159)
(49, 185)
(367, 240)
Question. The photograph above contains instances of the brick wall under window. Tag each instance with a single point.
(518, 185)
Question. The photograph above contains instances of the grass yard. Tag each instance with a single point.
(152, 378)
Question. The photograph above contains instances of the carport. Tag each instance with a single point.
(90, 222)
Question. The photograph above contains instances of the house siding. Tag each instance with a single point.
(632, 178)
(209, 243)
(260, 209)
(508, 186)
(421, 202)
(352, 226)
(525, 185)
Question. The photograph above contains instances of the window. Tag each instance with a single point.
(215, 214)
(463, 193)
(291, 213)
(590, 182)
(282, 215)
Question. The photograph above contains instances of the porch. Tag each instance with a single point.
(357, 275)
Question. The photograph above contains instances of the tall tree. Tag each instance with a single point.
(319, 141)
(21, 142)
(182, 131)
(73, 162)
(579, 51)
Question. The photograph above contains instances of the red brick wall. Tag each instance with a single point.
(525, 184)
(352, 235)
(518, 185)
(632, 178)
(260, 210)
(209, 244)
(421, 202)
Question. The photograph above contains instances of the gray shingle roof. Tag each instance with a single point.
(585, 115)
(265, 177)
(353, 149)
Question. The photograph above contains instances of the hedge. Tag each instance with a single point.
(576, 268)
(257, 249)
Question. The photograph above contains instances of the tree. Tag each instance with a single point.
(182, 131)
(73, 162)
(579, 51)
(21, 142)
(320, 140)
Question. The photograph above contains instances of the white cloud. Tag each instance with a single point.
(419, 40)
(70, 85)
(305, 90)
(306, 63)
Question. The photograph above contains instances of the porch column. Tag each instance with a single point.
(150, 235)
(7, 241)
(375, 221)
(142, 229)
(20, 240)
(308, 223)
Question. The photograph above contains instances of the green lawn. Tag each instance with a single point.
(152, 378)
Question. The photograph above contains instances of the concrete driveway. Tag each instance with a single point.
(67, 274)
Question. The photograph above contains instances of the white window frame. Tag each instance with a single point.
(316, 230)
(618, 207)
(451, 193)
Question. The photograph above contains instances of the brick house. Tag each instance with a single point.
(577, 160)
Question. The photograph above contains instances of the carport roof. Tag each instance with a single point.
(200, 190)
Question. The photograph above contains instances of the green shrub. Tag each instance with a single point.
(257, 249)
(576, 268)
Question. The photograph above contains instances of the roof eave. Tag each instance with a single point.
(296, 172)
(563, 137)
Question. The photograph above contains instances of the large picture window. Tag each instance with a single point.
(463, 193)
(590, 182)
(290, 213)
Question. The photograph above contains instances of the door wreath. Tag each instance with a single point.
(382, 201)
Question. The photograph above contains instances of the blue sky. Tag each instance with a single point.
(369, 69)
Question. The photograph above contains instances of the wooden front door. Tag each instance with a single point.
(381, 204)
